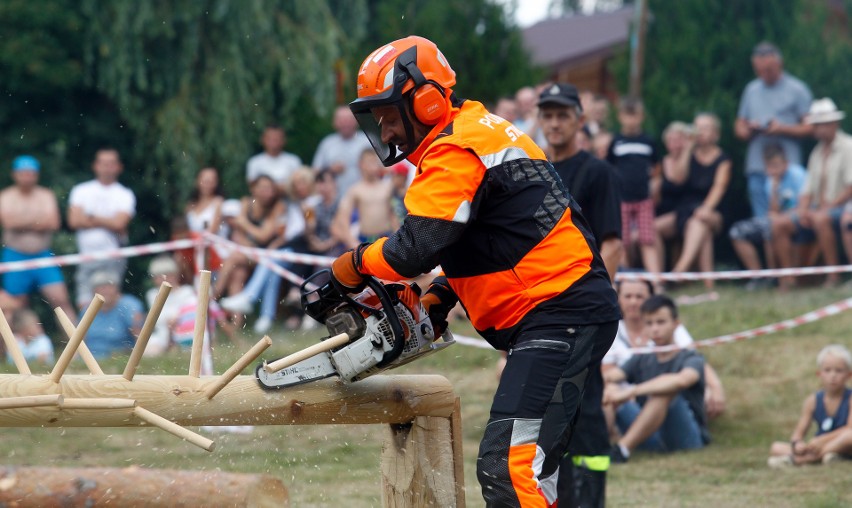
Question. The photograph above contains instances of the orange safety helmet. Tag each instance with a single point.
(411, 70)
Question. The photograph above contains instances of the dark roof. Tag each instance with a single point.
(560, 41)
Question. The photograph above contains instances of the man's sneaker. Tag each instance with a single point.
(262, 325)
(239, 303)
(831, 458)
(780, 462)
(616, 456)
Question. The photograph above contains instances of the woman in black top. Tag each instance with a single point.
(694, 212)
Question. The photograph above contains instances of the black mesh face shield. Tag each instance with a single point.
(370, 122)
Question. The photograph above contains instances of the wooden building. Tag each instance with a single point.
(577, 49)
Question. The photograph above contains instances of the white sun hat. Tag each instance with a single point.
(824, 111)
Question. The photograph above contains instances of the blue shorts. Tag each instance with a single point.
(22, 282)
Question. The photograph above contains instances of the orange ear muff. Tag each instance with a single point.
(428, 104)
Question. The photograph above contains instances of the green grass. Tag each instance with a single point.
(766, 380)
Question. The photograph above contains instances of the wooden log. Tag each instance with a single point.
(244, 361)
(67, 325)
(321, 347)
(200, 322)
(417, 464)
(76, 338)
(183, 400)
(49, 487)
(145, 333)
(12, 346)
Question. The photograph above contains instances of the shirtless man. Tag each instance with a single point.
(29, 215)
(370, 197)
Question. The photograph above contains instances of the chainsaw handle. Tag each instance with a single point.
(393, 319)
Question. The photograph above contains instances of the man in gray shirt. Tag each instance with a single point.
(772, 109)
(341, 150)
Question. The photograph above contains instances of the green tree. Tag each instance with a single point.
(46, 108)
(196, 81)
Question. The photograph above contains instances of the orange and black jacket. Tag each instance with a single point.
(489, 208)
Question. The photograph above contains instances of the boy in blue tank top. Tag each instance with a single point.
(829, 409)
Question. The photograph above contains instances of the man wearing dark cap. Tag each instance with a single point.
(592, 182)
(772, 110)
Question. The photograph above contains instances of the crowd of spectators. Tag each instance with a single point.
(672, 184)
(345, 198)
(666, 188)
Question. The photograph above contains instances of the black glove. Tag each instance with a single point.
(438, 301)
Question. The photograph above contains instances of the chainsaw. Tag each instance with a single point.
(372, 331)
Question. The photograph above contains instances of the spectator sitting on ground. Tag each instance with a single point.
(231, 276)
(273, 162)
(668, 411)
(264, 283)
(667, 191)
(33, 343)
(29, 215)
(116, 326)
(632, 334)
(204, 207)
(704, 182)
(164, 268)
(341, 150)
(202, 214)
(370, 200)
(319, 218)
(783, 185)
(829, 410)
(259, 224)
(100, 211)
(827, 189)
(636, 160)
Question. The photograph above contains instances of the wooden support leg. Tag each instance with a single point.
(418, 465)
(458, 453)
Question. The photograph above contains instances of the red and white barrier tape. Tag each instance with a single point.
(788, 324)
(733, 274)
(76, 259)
(278, 255)
(312, 259)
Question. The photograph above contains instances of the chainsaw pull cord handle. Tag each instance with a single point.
(393, 320)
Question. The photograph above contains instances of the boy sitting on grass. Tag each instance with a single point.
(33, 343)
(668, 411)
(829, 409)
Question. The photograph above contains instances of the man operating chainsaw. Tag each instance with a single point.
(488, 208)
